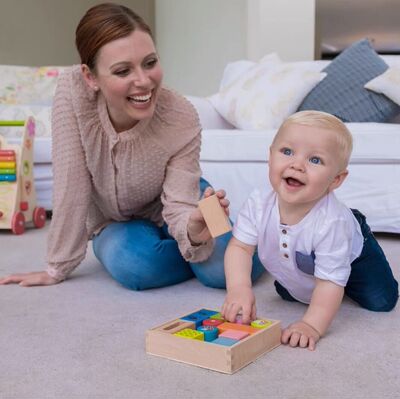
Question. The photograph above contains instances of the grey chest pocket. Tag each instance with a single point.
(306, 263)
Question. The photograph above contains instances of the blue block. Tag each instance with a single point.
(8, 178)
(224, 341)
(198, 317)
(210, 333)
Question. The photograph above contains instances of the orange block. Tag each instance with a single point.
(239, 327)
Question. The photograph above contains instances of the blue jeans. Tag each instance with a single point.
(371, 283)
(140, 255)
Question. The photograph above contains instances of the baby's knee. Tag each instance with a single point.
(382, 303)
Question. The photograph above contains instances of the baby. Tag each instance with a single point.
(315, 247)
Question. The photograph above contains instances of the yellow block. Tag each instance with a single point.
(191, 334)
(7, 165)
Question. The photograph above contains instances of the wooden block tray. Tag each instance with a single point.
(160, 341)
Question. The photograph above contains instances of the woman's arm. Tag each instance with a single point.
(67, 238)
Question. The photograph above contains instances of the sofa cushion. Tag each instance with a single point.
(342, 92)
(261, 95)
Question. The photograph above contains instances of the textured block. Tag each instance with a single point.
(216, 219)
(234, 334)
(198, 317)
(190, 334)
(212, 322)
(260, 323)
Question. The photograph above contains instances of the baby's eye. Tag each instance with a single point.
(287, 151)
(315, 160)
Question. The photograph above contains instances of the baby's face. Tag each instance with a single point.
(304, 164)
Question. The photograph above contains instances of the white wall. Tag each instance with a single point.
(197, 38)
(286, 27)
(42, 32)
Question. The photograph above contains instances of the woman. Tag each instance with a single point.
(126, 165)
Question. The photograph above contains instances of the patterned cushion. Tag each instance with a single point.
(342, 92)
(24, 85)
(261, 95)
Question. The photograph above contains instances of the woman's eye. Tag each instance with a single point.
(150, 64)
(287, 151)
(315, 160)
(122, 72)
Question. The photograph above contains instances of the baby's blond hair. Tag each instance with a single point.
(324, 121)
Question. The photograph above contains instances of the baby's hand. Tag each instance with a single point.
(239, 300)
(300, 334)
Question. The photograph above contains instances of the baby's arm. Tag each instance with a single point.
(325, 303)
(240, 297)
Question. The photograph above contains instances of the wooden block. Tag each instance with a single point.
(188, 333)
(225, 341)
(225, 359)
(216, 219)
(199, 316)
(239, 327)
(234, 334)
(176, 325)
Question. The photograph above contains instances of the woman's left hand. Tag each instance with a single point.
(197, 229)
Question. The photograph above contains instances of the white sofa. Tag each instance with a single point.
(233, 159)
(237, 161)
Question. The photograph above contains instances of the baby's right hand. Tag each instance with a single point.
(239, 300)
(29, 279)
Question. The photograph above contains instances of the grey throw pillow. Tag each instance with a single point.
(342, 92)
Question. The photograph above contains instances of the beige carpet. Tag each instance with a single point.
(85, 338)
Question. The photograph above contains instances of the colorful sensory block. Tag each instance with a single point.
(198, 317)
(217, 316)
(191, 334)
(210, 332)
(212, 322)
(234, 334)
(225, 341)
(260, 323)
(240, 327)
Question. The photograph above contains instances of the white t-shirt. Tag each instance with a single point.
(323, 244)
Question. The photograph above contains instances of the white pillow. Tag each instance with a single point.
(265, 93)
(388, 83)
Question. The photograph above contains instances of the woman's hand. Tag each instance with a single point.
(29, 279)
(301, 334)
(197, 229)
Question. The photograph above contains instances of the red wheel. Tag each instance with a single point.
(39, 217)
(18, 223)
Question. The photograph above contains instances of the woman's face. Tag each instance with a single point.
(129, 75)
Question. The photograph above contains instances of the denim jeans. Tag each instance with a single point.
(140, 255)
(371, 283)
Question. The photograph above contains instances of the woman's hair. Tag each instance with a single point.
(102, 24)
(325, 121)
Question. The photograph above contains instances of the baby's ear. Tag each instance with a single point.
(338, 180)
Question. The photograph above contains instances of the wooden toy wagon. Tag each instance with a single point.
(17, 189)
